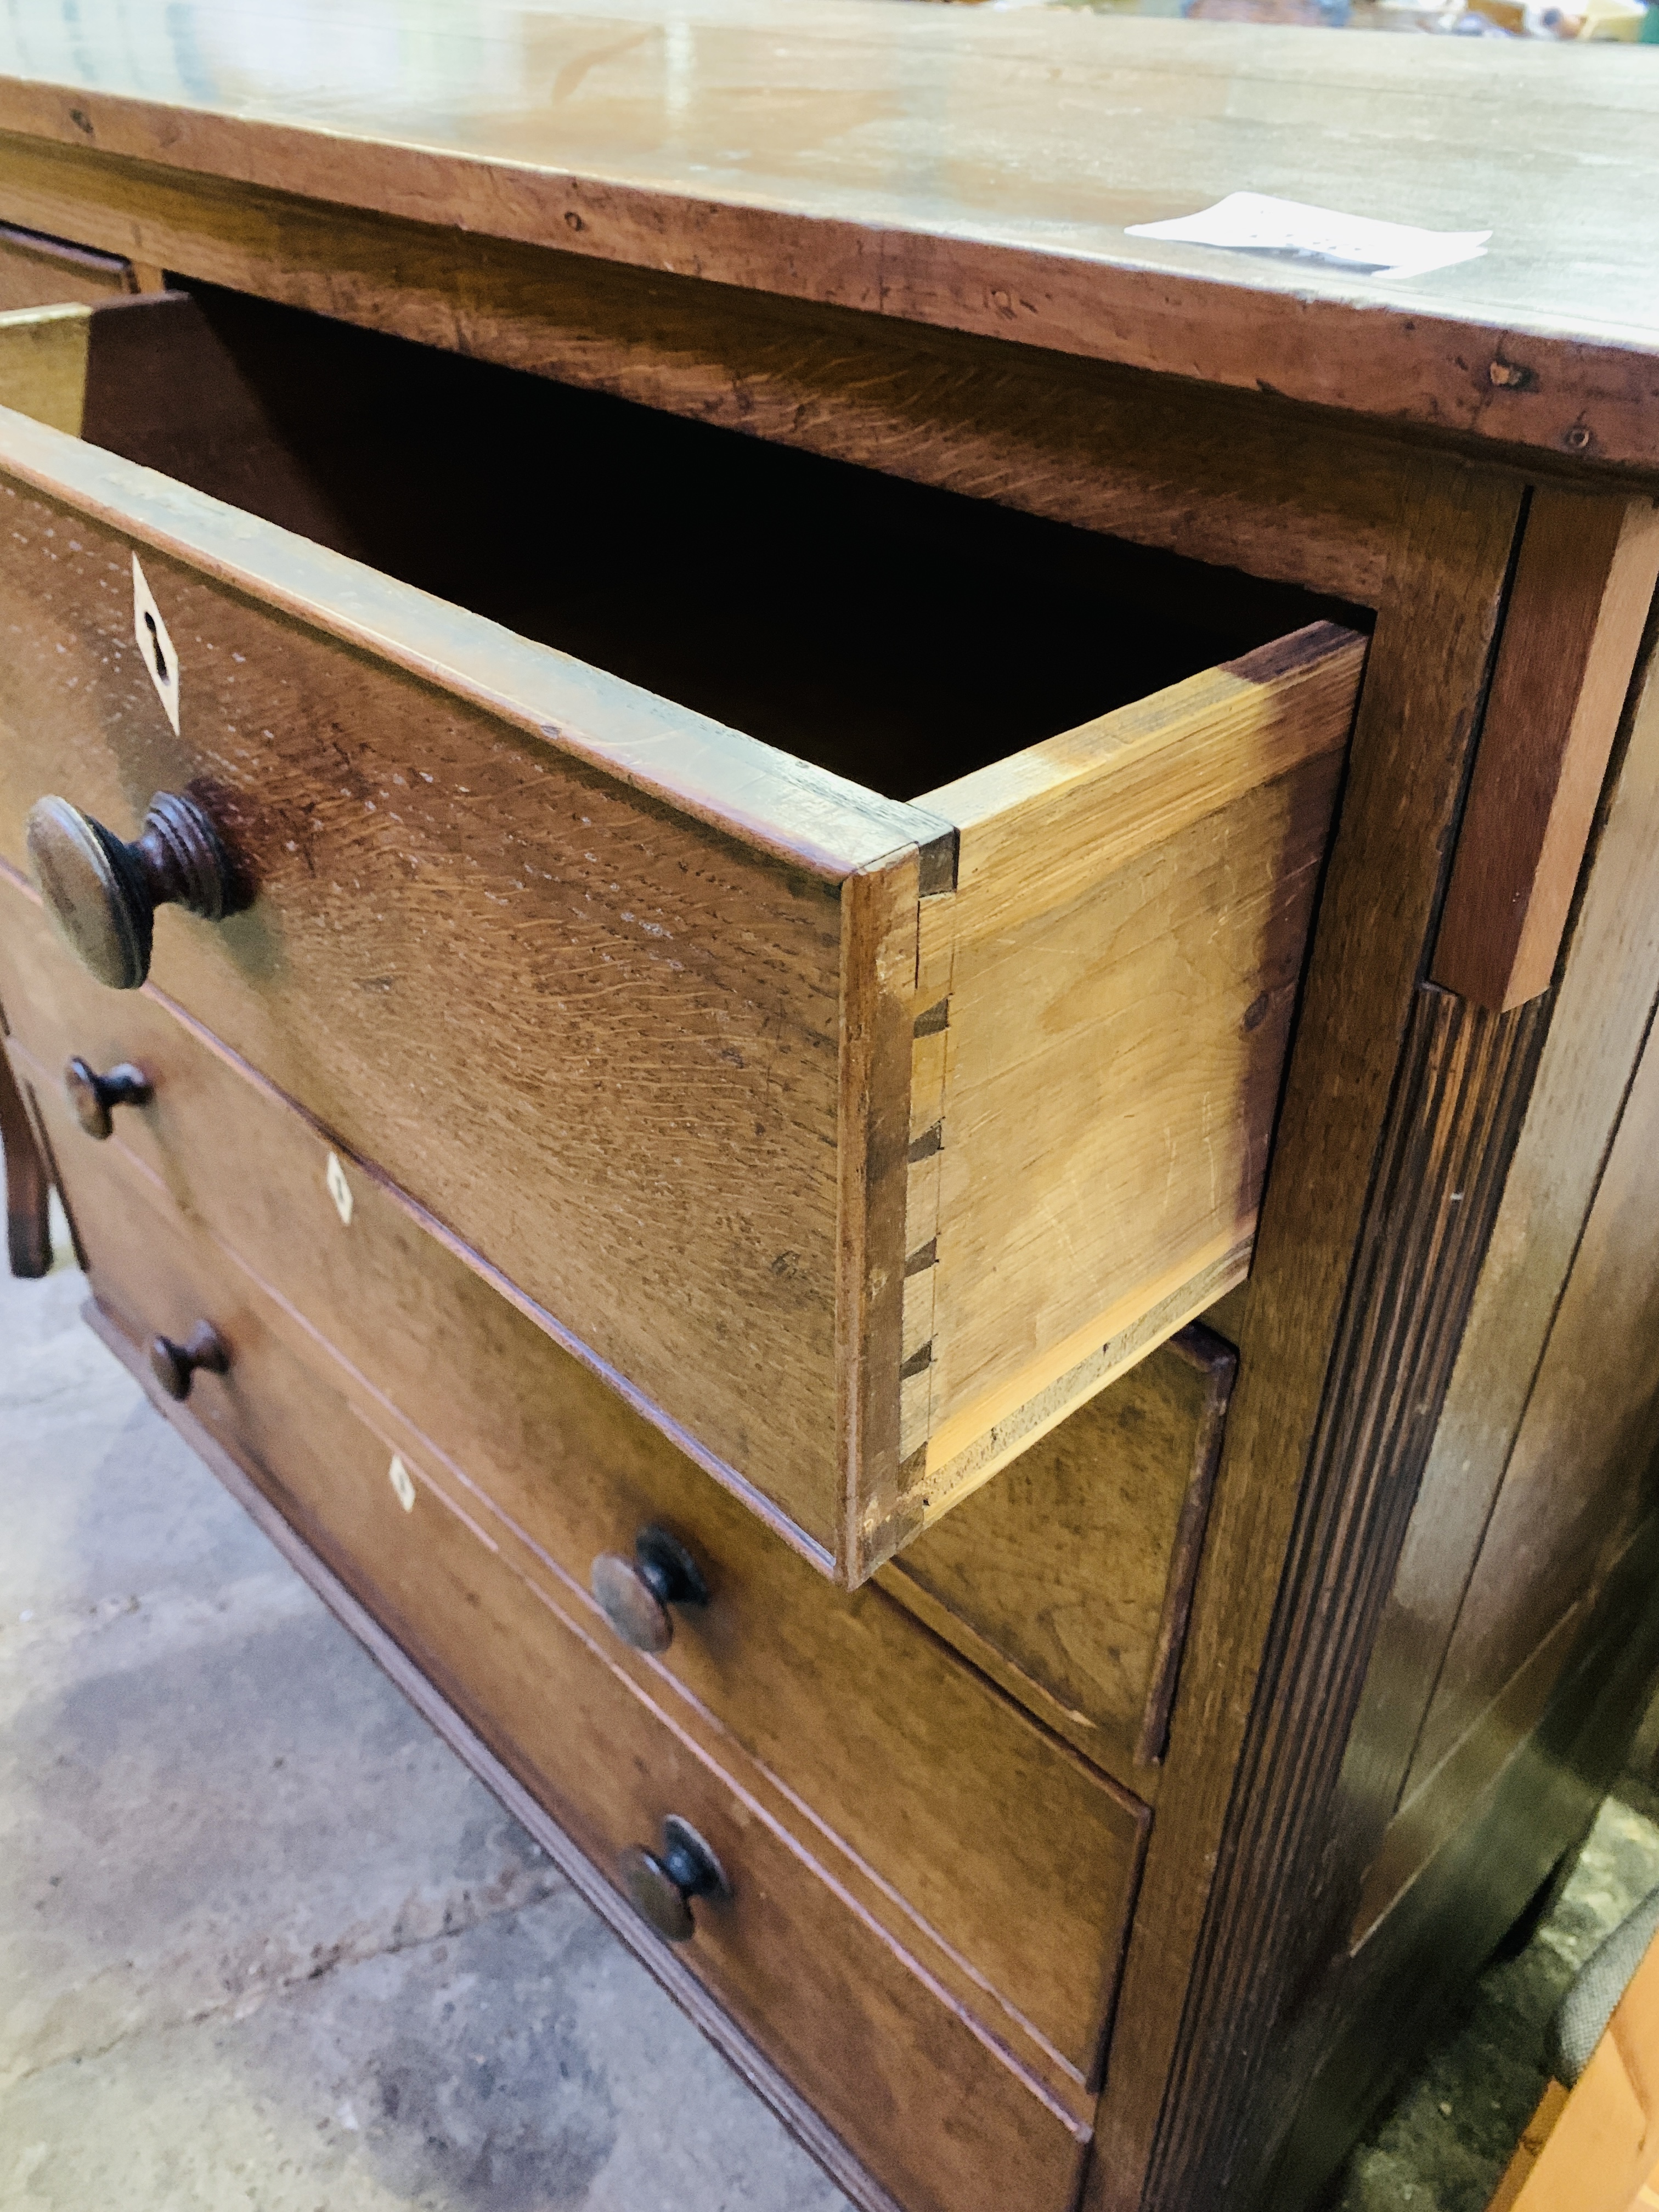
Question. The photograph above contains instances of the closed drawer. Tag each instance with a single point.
(911, 1760)
(861, 1098)
(935, 2110)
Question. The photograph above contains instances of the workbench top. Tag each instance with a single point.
(960, 166)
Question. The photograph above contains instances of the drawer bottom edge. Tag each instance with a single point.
(755, 2068)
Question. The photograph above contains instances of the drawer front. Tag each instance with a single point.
(937, 2114)
(595, 1032)
(912, 1760)
(731, 1065)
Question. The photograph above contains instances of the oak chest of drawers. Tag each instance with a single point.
(883, 1079)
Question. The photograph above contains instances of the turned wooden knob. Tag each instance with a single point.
(94, 1097)
(103, 895)
(634, 1595)
(661, 1885)
(174, 1366)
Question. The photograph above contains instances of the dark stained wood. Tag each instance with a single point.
(943, 264)
(663, 1964)
(805, 1973)
(1069, 1577)
(1417, 716)
(1210, 755)
(1447, 1798)
(1271, 1916)
(28, 1189)
(1577, 1484)
(1417, 1965)
(815, 155)
(709, 991)
(1609, 984)
(908, 1757)
(1584, 585)
(1216, 1362)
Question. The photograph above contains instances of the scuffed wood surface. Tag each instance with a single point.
(920, 1769)
(799, 1959)
(1583, 586)
(599, 1041)
(977, 170)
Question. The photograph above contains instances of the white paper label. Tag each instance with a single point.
(403, 1482)
(155, 645)
(1253, 223)
(338, 1189)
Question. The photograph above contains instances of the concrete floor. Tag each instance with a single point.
(266, 1947)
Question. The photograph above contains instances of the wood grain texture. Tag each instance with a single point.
(1111, 1346)
(1583, 586)
(1216, 792)
(1442, 1802)
(276, 1026)
(1069, 1580)
(28, 1188)
(879, 935)
(792, 1958)
(955, 167)
(1463, 1087)
(1284, 497)
(43, 364)
(891, 1746)
(1579, 1478)
(1603, 1005)
(44, 272)
(1417, 718)
(1126, 936)
(661, 1960)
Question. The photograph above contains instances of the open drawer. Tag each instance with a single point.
(858, 1095)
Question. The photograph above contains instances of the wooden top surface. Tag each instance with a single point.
(961, 167)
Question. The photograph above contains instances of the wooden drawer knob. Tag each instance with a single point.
(660, 1887)
(103, 895)
(94, 1097)
(174, 1366)
(634, 1595)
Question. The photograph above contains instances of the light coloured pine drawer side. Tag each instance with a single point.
(1104, 1009)
(855, 1139)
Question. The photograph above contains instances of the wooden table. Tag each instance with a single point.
(1122, 1700)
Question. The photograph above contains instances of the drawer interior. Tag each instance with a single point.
(893, 633)
(831, 1104)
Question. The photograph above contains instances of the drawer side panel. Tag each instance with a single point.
(1133, 903)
